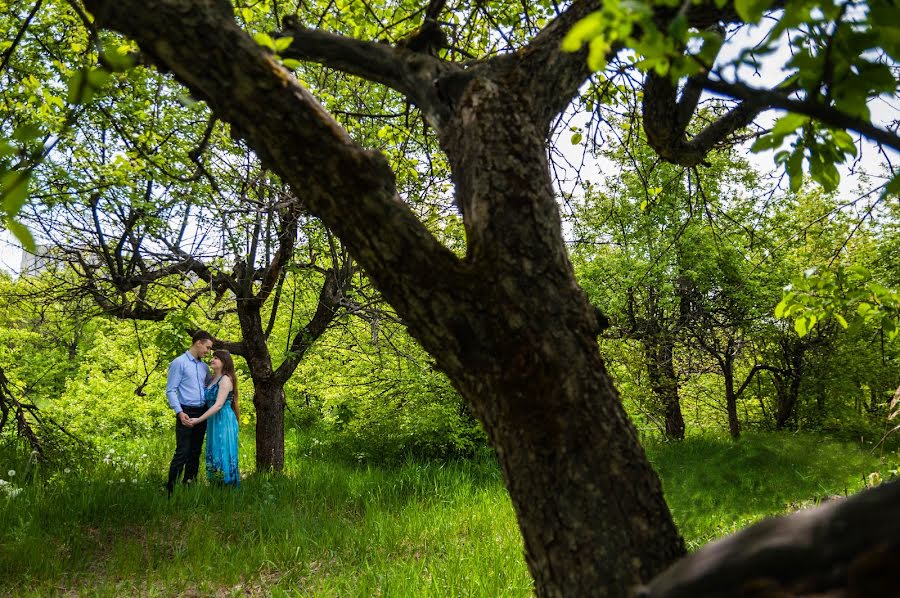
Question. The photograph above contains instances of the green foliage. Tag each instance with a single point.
(380, 400)
(842, 56)
(848, 295)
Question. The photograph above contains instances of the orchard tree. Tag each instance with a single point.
(194, 264)
(507, 322)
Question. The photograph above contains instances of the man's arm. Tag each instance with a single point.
(172, 382)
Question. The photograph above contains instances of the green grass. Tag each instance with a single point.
(328, 528)
(715, 486)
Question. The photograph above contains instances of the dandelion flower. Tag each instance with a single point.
(67, 470)
(11, 473)
(134, 481)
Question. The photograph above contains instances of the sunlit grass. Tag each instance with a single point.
(715, 486)
(326, 528)
(331, 528)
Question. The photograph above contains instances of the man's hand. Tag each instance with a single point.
(185, 419)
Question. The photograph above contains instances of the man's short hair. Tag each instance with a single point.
(201, 335)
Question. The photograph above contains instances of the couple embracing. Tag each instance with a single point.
(205, 404)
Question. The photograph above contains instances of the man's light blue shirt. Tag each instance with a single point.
(186, 382)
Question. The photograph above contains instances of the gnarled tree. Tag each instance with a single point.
(507, 322)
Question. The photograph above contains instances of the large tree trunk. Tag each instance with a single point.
(524, 355)
(268, 398)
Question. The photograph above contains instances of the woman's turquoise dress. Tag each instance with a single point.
(222, 440)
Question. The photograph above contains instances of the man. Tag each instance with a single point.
(185, 388)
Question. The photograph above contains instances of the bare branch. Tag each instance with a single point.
(411, 73)
(823, 112)
(666, 119)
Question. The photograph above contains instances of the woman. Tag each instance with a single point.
(222, 429)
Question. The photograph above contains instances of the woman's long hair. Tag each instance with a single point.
(228, 370)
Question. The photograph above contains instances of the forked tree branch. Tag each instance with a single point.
(413, 74)
(666, 118)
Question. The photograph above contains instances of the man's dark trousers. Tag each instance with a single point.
(188, 445)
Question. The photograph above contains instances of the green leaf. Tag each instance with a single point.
(118, 59)
(863, 308)
(26, 133)
(576, 138)
(751, 11)
(14, 188)
(794, 168)
(678, 28)
(283, 43)
(264, 40)
(893, 186)
(841, 320)
(97, 78)
(889, 326)
(21, 232)
(290, 63)
(787, 124)
(79, 89)
(800, 326)
(766, 142)
(582, 32)
(844, 141)
(860, 271)
(782, 305)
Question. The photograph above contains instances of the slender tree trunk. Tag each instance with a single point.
(734, 426)
(786, 393)
(664, 383)
(268, 392)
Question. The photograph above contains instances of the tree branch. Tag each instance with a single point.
(823, 112)
(842, 548)
(411, 73)
(352, 190)
(666, 119)
(553, 74)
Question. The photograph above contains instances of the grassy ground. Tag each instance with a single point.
(328, 528)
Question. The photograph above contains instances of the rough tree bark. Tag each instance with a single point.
(508, 324)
